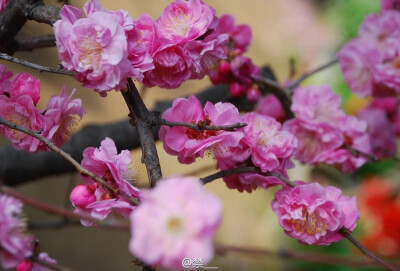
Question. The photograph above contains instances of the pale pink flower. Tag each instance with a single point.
(314, 139)
(95, 47)
(117, 170)
(269, 105)
(269, 145)
(15, 244)
(382, 133)
(189, 144)
(25, 84)
(21, 111)
(28, 265)
(175, 220)
(240, 35)
(356, 60)
(182, 21)
(61, 117)
(5, 81)
(3, 4)
(390, 4)
(313, 214)
(147, 29)
(379, 29)
(172, 67)
(316, 104)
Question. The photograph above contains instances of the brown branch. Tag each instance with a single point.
(240, 170)
(310, 73)
(141, 118)
(61, 211)
(38, 67)
(351, 261)
(50, 265)
(281, 93)
(31, 43)
(357, 153)
(199, 127)
(82, 170)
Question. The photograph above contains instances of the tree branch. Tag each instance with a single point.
(31, 43)
(82, 170)
(199, 127)
(40, 68)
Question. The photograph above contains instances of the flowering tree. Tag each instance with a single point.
(172, 224)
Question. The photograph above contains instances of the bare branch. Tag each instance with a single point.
(82, 170)
(31, 43)
(199, 127)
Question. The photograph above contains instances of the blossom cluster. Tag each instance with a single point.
(237, 70)
(18, 99)
(107, 47)
(118, 171)
(16, 244)
(262, 143)
(325, 133)
(370, 62)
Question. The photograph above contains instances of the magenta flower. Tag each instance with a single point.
(313, 214)
(117, 170)
(61, 117)
(25, 84)
(189, 144)
(269, 145)
(240, 35)
(28, 265)
(15, 244)
(5, 81)
(356, 60)
(21, 111)
(269, 105)
(390, 4)
(182, 21)
(175, 220)
(95, 47)
(172, 67)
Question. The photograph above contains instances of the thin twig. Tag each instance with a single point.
(351, 261)
(31, 43)
(60, 211)
(53, 223)
(82, 170)
(310, 73)
(345, 232)
(240, 170)
(199, 127)
(50, 265)
(356, 152)
(35, 66)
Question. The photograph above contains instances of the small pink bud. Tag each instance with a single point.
(224, 67)
(82, 196)
(253, 94)
(25, 265)
(236, 90)
(25, 83)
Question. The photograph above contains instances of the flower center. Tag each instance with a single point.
(91, 52)
(20, 120)
(310, 224)
(200, 135)
(174, 224)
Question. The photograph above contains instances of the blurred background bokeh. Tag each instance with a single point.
(308, 31)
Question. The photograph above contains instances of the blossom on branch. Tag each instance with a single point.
(29, 265)
(175, 220)
(314, 215)
(15, 243)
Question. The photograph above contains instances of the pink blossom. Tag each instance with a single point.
(269, 145)
(269, 105)
(175, 220)
(356, 60)
(3, 4)
(240, 35)
(15, 244)
(379, 29)
(243, 69)
(21, 111)
(189, 144)
(182, 21)
(314, 139)
(25, 84)
(61, 117)
(5, 76)
(95, 47)
(28, 265)
(313, 214)
(147, 29)
(172, 67)
(381, 131)
(316, 104)
(117, 170)
(390, 4)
